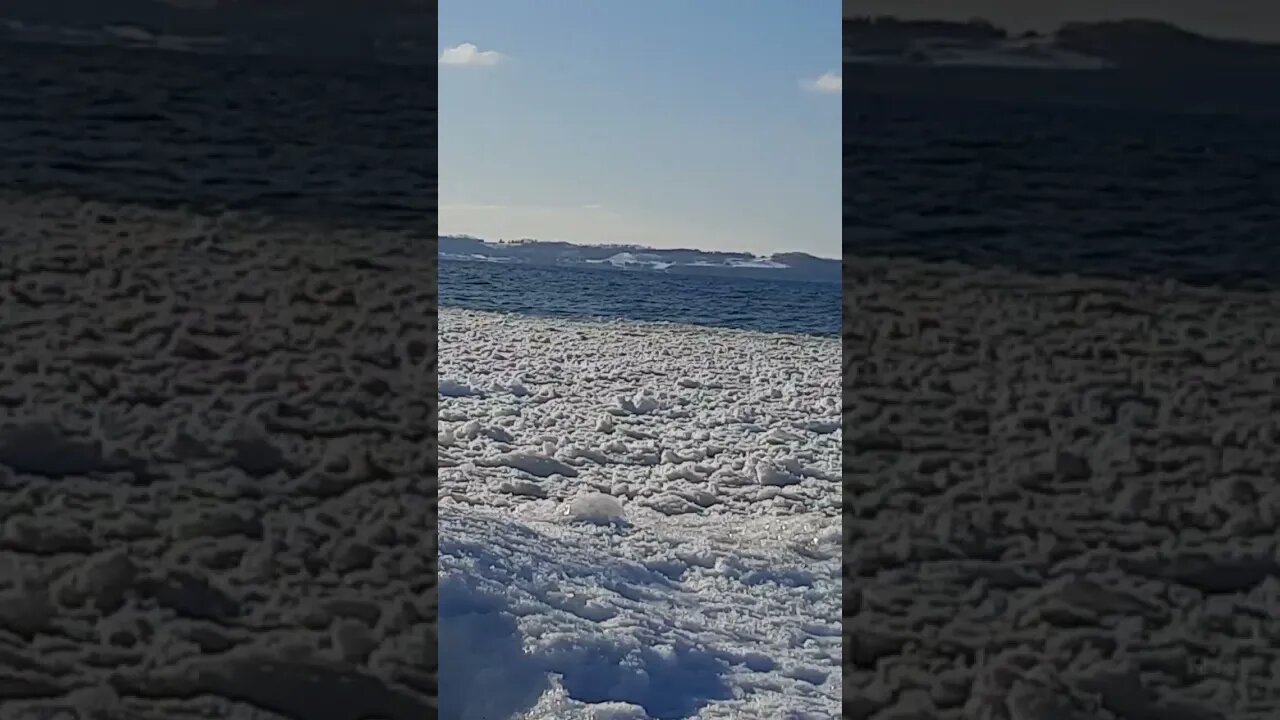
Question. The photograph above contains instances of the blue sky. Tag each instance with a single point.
(692, 123)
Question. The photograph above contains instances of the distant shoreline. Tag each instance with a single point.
(1115, 44)
(682, 261)
(1135, 64)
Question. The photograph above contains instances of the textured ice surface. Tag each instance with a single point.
(637, 521)
(214, 448)
(1061, 497)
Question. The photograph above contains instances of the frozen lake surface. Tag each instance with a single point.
(637, 520)
(215, 442)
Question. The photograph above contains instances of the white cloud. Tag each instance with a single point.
(467, 54)
(828, 83)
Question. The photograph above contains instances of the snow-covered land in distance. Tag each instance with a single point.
(1121, 44)
(786, 266)
(637, 521)
(1135, 64)
(385, 30)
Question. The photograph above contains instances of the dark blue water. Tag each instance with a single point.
(325, 140)
(1105, 190)
(745, 303)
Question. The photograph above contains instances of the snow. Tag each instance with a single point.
(756, 262)
(212, 497)
(558, 254)
(454, 388)
(627, 259)
(1085, 524)
(478, 257)
(658, 578)
(1040, 53)
(533, 463)
(595, 508)
(760, 262)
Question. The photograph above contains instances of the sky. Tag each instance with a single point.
(1251, 19)
(713, 124)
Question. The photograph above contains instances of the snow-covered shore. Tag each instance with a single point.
(637, 520)
(213, 499)
(215, 442)
(1062, 496)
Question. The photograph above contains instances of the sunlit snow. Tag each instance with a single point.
(637, 521)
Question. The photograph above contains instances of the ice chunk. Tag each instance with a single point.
(534, 463)
(453, 388)
(770, 473)
(596, 508)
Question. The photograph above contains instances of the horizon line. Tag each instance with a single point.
(468, 236)
(1010, 29)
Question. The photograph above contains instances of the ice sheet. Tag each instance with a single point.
(638, 520)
